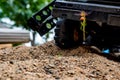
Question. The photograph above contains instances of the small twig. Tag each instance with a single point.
(83, 24)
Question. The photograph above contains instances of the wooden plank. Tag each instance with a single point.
(5, 46)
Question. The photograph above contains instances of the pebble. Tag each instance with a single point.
(71, 72)
(8, 79)
(11, 62)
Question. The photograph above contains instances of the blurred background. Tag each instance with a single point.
(14, 15)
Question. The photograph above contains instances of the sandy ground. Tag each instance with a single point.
(48, 62)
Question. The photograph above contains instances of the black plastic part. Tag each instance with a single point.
(44, 13)
(112, 2)
(47, 26)
(33, 24)
(39, 21)
(64, 33)
(110, 35)
(103, 13)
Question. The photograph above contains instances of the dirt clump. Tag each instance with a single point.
(48, 62)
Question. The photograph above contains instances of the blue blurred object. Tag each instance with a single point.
(106, 51)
